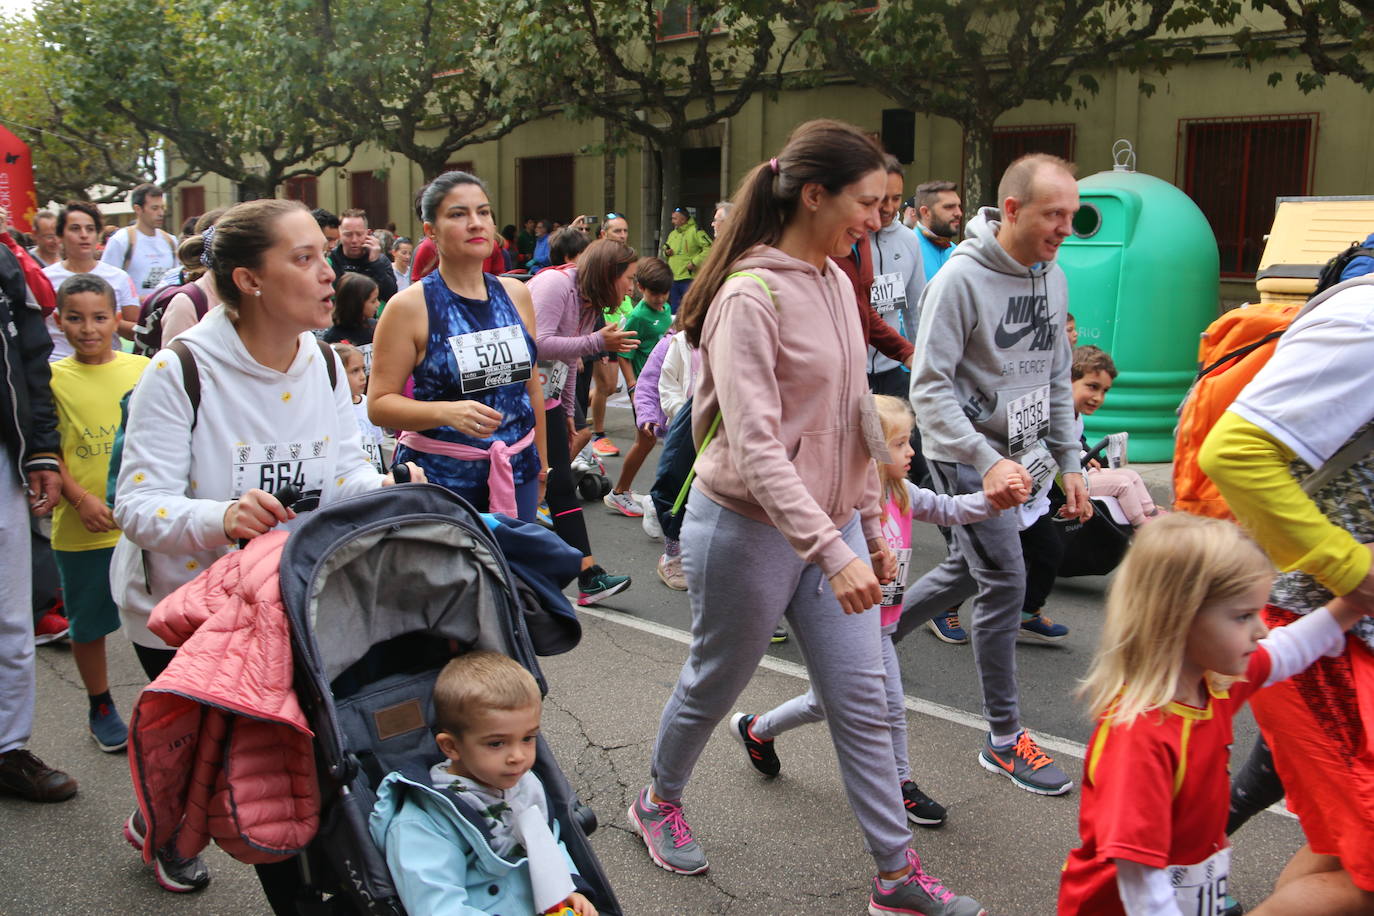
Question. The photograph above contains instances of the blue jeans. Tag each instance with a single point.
(526, 498)
(676, 293)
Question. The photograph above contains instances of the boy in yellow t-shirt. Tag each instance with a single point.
(87, 388)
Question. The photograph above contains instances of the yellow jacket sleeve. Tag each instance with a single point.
(1250, 468)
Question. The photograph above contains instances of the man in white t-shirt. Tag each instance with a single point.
(144, 251)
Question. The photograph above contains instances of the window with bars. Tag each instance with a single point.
(1011, 143)
(1234, 168)
(677, 19)
(305, 188)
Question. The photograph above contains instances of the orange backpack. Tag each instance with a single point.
(1233, 350)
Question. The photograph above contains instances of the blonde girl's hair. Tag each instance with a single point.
(1177, 565)
(897, 419)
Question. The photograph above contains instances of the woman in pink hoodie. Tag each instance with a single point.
(784, 517)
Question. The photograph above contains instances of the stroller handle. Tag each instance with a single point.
(288, 495)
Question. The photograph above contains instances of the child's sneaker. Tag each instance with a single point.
(762, 757)
(544, 516)
(670, 571)
(921, 809)
(676, 851)
(650, 523)
(595, 584)
(1026, 765)
(922, 894)
(627, 503)
(1041, 629)
(173, 873)
(946, 628)
(605, 448)
(108, 729)
(51, 627)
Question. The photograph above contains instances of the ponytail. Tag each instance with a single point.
(830, 153)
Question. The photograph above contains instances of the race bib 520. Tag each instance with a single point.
(491, 358)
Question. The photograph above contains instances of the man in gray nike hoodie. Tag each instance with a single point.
(989, 381)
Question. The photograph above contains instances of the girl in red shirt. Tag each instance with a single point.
(1183, 647)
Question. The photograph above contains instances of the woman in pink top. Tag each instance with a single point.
(784, 519)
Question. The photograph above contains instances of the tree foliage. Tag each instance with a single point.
(1334, 36)
(74, 153)
(973, 60)
(421, 79)
(608, 60)
(230, 90)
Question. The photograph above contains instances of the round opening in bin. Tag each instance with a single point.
(1087, 221)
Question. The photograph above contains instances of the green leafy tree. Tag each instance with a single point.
(74, 155)
(1335, 37)
(422, 79)
(229, 89)
(973, 60)
(607, 60)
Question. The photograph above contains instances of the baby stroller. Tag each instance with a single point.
(381, 590)
(1095, 547)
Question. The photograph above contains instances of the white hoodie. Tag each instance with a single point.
(896, 255)
(256, 427)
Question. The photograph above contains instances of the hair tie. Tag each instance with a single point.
(206, 238)
(773, 164)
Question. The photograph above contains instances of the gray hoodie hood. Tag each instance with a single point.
(980, 243)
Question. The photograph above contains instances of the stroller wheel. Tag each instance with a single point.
(589, 488)
(603, 486)
(585, 817)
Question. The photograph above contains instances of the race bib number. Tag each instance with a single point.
(892, 591)
(366, 351)
(1041, 466)
(1200, 890)
(491, 358)
(1028, 419)
(270, 467)
(1115, 451)
(553, 375)
(888, 294)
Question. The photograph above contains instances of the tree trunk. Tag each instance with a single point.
(257, 187)
(980, 185)
(608, 167)
(670, 181)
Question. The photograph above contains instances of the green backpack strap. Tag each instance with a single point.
(715, 423)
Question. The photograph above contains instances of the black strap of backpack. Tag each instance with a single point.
(328, 353)
(190, 376)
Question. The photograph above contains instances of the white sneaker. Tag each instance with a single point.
(650, 523)
(626, 503)
(670, 571)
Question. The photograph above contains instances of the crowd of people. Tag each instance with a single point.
(845, 368)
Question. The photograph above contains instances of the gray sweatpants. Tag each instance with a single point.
(16, 614)
(807, 708)
(743, 578)
(984, 563)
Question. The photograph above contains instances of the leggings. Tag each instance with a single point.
(734, 611)
(1256, 787)
(1129, 490)
(564, 505)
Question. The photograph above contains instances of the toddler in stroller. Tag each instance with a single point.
(383, 593)
(474, 830)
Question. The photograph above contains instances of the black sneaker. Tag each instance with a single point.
(23, 774)
(173, 873)
(762, 757)
(779, 635)
(921, 809)
(595, 584)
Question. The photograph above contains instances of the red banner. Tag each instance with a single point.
(17, 194)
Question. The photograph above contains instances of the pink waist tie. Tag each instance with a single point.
(500, 475)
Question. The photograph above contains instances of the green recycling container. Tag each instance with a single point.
(1144, 278)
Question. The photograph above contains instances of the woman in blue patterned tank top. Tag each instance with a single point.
(467, 338)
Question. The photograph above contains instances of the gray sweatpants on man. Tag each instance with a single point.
(743, 578)
(807, 708)
(984, 563)
(16, 614)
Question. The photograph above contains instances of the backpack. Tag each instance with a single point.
(148, 331)
(190, 380)
(1233, 350)
(1331, 273)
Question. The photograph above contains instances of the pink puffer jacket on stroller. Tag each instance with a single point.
(219, 746)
